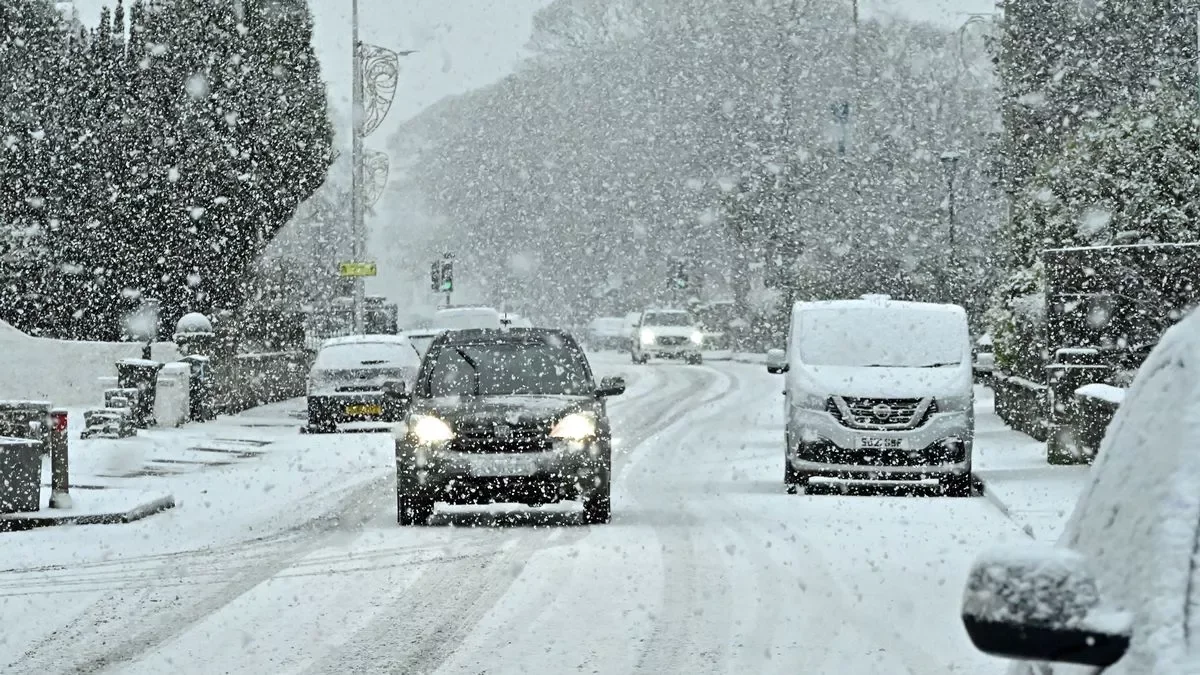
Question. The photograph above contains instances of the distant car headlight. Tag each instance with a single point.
(575, 427)
(697, 337)
(647, 336)
(429, 429)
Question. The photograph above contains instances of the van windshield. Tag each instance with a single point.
(881, 338)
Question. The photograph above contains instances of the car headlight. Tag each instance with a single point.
(960, 403)
(575, 427)
(697, 337)
(809, 401)
(647, 336)
(429, 429)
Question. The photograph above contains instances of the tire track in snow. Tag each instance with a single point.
(122, 624)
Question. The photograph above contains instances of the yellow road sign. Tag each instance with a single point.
(357, 269)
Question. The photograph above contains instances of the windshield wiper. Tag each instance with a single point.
(474, 367)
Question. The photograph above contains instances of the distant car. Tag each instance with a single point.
(505, 416)
(1117, 593)
(350, 379)
(877, 389)
(466, 318)
(667, 333)
(606, 332)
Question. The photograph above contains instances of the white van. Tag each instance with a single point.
(878, 389)
(466, 318)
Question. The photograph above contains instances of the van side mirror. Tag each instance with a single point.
(777, 361)
(1042, 603)
(610, 386)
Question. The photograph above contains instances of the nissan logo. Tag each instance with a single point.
(882, 411)
(503, 431)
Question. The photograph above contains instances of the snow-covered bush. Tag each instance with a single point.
(1017, 321)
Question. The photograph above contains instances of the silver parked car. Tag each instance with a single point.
(350, 378)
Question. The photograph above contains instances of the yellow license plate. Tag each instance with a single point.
(363, 410)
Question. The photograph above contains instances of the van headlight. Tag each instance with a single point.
(697, 337)
(961, 403)
(575, 427)
(428, 429)
(647, 336)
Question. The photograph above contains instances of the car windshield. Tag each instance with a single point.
(881, 337)
(669, 319)
(509, 368)
(358, 355)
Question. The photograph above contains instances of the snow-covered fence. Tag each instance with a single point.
(1073, 367)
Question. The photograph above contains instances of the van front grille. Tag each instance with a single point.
(881, 413)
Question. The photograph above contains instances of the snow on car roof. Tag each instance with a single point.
(365, 339)
(859, 303)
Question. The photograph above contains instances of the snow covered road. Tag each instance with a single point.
(707, 567)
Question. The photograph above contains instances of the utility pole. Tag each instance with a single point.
(356, 170)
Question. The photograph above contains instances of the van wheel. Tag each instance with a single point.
(956, 485)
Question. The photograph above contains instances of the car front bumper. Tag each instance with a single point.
(668, 351)
(823, 445)
(437, 470)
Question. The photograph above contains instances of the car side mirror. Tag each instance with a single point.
(777, 362)
(1041, 603)
(396, 389)
(611, 386)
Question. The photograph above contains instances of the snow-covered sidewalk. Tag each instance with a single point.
(1016, 477)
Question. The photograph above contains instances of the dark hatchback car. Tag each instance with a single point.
(505, 416)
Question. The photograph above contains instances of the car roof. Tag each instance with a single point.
(498, 336)
(383, 338)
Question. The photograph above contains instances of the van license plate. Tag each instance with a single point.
(876, 443)
(503, 465)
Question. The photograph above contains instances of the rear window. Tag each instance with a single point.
(366, 355)
(668, 319)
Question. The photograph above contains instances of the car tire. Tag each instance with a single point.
(413, 510)
(956, 485)
(597, 505)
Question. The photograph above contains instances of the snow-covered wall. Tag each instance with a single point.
(61, 371)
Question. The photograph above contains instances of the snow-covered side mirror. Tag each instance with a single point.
(611, 386)
(777, 361)
(396, 389)
(1042, 603)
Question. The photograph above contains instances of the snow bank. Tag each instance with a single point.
(62, 371)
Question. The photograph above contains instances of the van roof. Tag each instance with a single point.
(890, 304)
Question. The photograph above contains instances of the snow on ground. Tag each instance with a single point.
(293, 555)
(1013, 467)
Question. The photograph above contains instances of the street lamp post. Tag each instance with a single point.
(950, 161)
(358, 228)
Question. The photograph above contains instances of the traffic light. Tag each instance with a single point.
(447, 276)
(435, 276)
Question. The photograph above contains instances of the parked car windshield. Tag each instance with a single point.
(357, 355)
(879, 337)
(509, 368)
(668, 319)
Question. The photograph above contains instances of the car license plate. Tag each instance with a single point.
(877, 443)
(503, 465)
(363, 410)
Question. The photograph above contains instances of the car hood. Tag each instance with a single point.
(520, 411)
(889, 382)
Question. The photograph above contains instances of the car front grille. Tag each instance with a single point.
(501, 438)
(881, 413)
(670, 341)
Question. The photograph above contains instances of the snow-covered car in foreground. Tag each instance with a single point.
(505, 416)
(1118, 593)
(667, 333)
(350, 379)
(877, 389)
(606, 332)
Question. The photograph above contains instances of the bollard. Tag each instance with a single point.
(60, 484)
